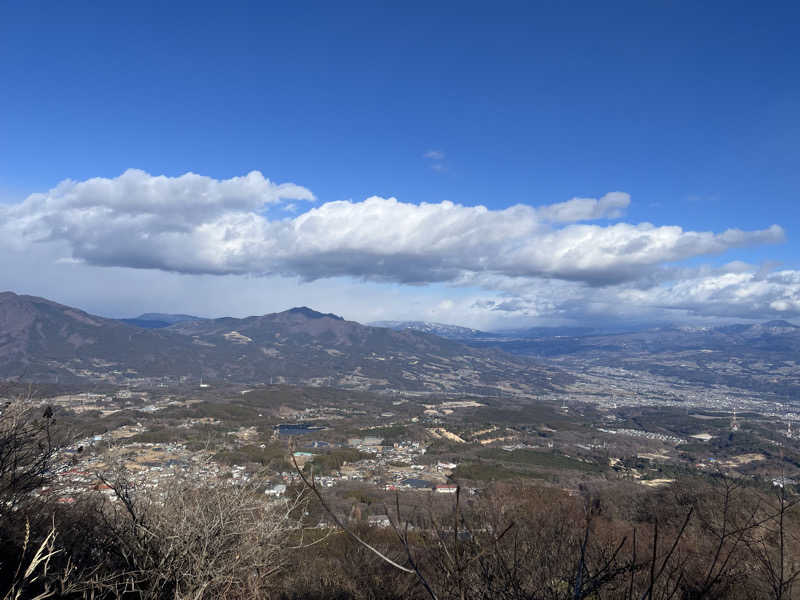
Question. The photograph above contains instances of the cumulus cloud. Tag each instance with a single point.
(733, 291)
(141, 204)
(200, 225)
(733, 294)
(188, 199)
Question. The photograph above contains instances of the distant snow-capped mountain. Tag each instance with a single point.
(451, 332)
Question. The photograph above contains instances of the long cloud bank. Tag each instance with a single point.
(734, 291)
(200, 225)
(563, 260)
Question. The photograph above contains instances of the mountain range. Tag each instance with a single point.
(466, 334)
(759, 358)
(41, 340)
(762, 359)
(772, 337)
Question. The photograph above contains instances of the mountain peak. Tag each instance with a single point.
(311, 314)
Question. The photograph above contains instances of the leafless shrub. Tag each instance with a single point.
(775, 546)
(551, 546)
(185, 542)
(29, 449)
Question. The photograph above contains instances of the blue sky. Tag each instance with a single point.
(692, 110)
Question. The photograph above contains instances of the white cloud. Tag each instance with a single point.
(732, 294)
(733, 291)
(195, 224)
(434, 155)
(610, 206)
(146, 203)
(482, 300)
